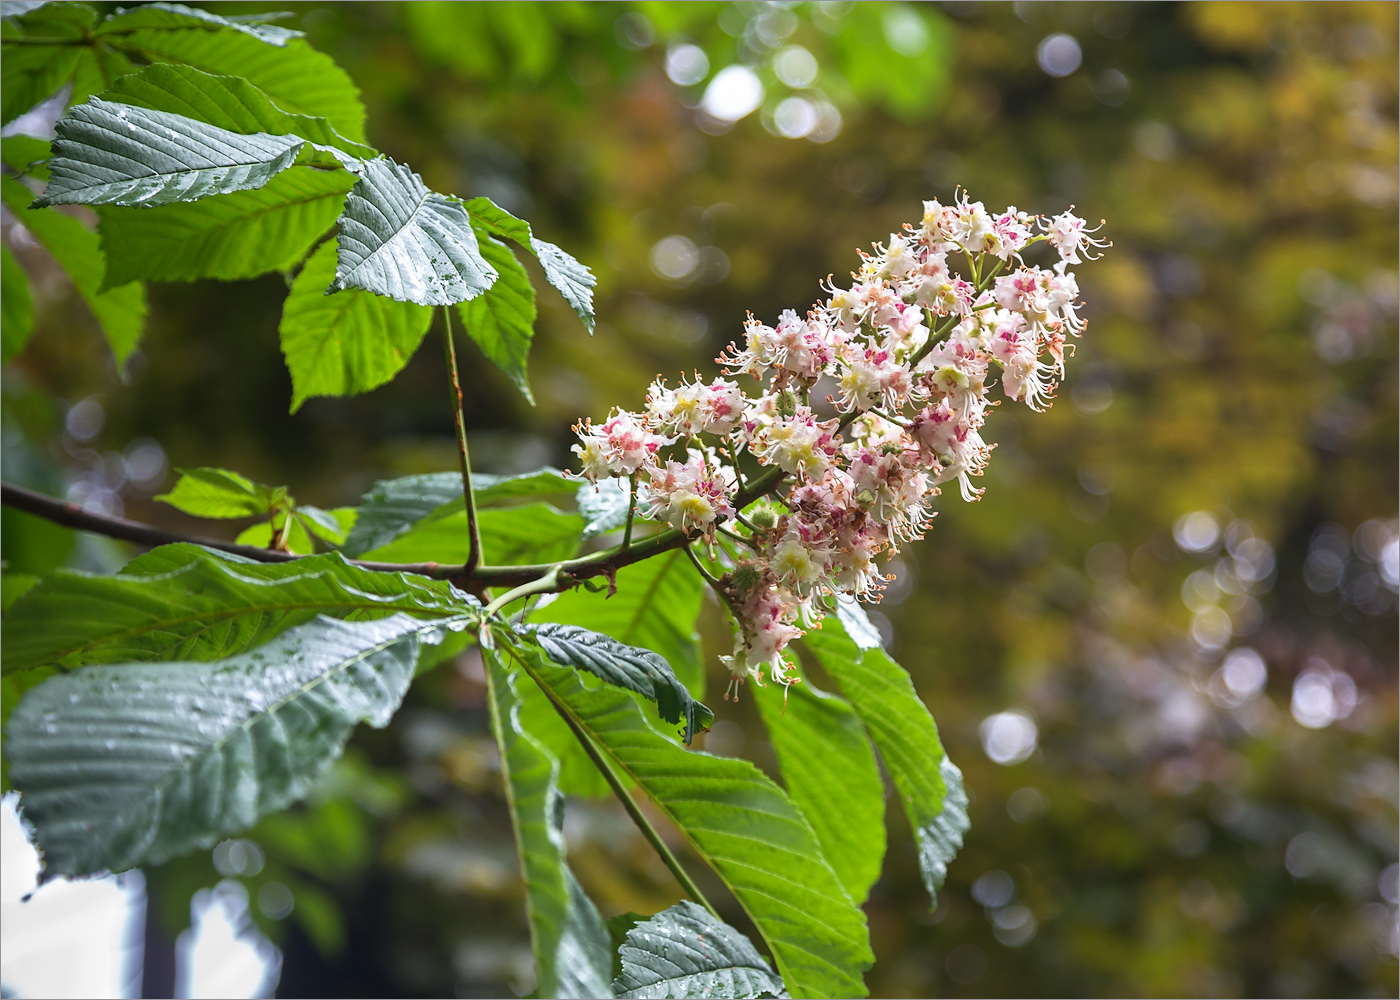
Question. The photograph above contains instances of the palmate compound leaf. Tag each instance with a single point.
(394, 506)
(399, 239)
(137, 763)
(574, 281)
(230, 236)
(191, 603)
(348, 342)
(573, 954)
(624, 666)
(684, 951)
(741, 824)
(118, 154)
(829, 770)
(931, 787)
(121, 312)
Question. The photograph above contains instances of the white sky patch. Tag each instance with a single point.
(101, 922)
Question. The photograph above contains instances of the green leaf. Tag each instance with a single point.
(12, 690)
(297, 539)
(574, 281)
(226, 102)
(684, 951)
(227, 236)
(545, 481)
(137, 763)
(13, 586)
(17, 320)
(624, 666)
(393, 506)
(187, 602)
(22, 153)
(502, 321)
(207, 492)
(514, 536)
(18, 8)
(745, 827)
(486, 212)
(98, 68)
(121, 312)
(573, 957)
(295, 76)
(656, 607)
(604, 505)
(178, 17)
(324, 524)
(399, 239)
(346, 343)
(31, 73)
(829, 770)
(119, 154)
(902, 729)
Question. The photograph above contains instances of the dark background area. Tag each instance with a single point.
(1214, 489)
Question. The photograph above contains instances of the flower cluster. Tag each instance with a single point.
(868, 404)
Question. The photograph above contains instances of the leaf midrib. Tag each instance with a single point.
(164, 176)
(216, 617)
(384, 245)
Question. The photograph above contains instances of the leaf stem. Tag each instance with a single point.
(604, 766)
(544, 585)
(710, 578)
(281, 543)
(474, 558)
(631, 512)
(735, 536)
(933, 340)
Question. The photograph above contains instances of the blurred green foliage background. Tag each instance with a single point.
(1214, 491)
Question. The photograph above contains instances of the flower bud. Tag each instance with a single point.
(764, 517)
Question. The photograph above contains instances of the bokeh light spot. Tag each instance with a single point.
(735, 91)
(1059, 55)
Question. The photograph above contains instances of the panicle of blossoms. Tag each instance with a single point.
(932, 321)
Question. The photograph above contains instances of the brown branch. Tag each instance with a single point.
(570, 571)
